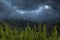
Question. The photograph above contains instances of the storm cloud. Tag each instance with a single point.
(33, 10)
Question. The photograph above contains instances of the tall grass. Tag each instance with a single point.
(27, 34)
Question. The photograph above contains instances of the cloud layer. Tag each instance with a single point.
(33, 10)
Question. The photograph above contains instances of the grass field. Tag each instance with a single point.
(27, 34)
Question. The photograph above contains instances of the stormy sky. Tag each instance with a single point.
(33, 10)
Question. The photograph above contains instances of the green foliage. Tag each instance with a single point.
(44, 32)
(54, 34)
(27, 33)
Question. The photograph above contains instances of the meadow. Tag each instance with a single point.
(6, 33)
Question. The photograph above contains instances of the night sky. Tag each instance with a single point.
(32, 10)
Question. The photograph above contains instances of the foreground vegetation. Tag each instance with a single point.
(6, 33)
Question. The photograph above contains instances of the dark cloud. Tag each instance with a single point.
(22, 10)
